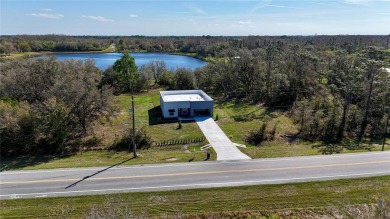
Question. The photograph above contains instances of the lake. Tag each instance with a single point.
(105, 60)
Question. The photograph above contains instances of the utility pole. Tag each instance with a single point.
(385, 132)
(133, 138)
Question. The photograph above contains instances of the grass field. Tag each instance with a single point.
(347, 197)
(164, 154)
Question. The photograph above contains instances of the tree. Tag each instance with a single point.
(345, 79)
(154, 70)
(51, 103)
(24, 47)
(52, 124)
(185, 79)
(301, 69)
(126, 73)
(167, 80)
(17, 133)
(270, 56)
(4, 50)
(206, 78)
(373, 61)
(158, 68)
(80, 93)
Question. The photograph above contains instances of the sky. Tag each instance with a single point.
(189, 17)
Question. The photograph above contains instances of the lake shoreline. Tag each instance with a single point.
(104, 60)
(43, 53)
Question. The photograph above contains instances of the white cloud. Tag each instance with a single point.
(198, 10)
(355, 1)
(133, 16)
(261, 4)
(195, 9)
(46, 15)
(245, 22)
(98, 18)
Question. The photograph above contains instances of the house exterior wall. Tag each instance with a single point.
(170, 109)
(202, 105)
(174, 106)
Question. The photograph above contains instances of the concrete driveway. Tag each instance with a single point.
(225, 149)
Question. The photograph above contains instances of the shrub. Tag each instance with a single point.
(243, 118)
(257, 136)
(142, 140)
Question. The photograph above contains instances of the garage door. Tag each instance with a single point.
(202, 112)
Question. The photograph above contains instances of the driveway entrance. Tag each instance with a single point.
(222, 145)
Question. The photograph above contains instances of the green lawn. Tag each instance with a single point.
(164, 154)
(146, 107)
(315, 199)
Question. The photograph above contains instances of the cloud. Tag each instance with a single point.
(245, 22)
(362, 2)
(267, 3)
(195, 9)
(46, 14)
(198, 10)
(356, 1)
(133, 16)
(98, 18)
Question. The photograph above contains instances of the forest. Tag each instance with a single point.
(337, 88)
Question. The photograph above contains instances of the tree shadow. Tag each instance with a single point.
(96, 173)
(19, 162)
(328, 149)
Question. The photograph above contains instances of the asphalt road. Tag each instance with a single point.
(83, 181)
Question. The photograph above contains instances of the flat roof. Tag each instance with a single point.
(182, 97)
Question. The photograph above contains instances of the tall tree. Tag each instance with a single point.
(345, 79)
(373, 63)
(127, 73)
(270, 56)
(185, 79)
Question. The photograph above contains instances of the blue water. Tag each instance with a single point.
(105, 60)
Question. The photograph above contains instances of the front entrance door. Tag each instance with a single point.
(184, 112)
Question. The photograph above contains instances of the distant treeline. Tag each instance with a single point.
(203, 46)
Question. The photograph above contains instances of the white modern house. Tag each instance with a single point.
(185, 103)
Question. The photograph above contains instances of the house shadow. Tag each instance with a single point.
(155, 117)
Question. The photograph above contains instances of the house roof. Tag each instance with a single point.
(184, 95)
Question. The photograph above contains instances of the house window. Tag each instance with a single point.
(171, 112)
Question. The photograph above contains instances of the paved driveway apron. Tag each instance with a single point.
(225, 149)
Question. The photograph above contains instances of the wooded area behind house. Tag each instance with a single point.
(337, 88)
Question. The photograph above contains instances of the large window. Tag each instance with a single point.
(171, 112)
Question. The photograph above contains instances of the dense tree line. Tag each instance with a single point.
(202, 46)
(334, 96)
(46, 104)
(52, 43)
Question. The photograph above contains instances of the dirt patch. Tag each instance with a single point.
(185, 148)
(170, 159)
